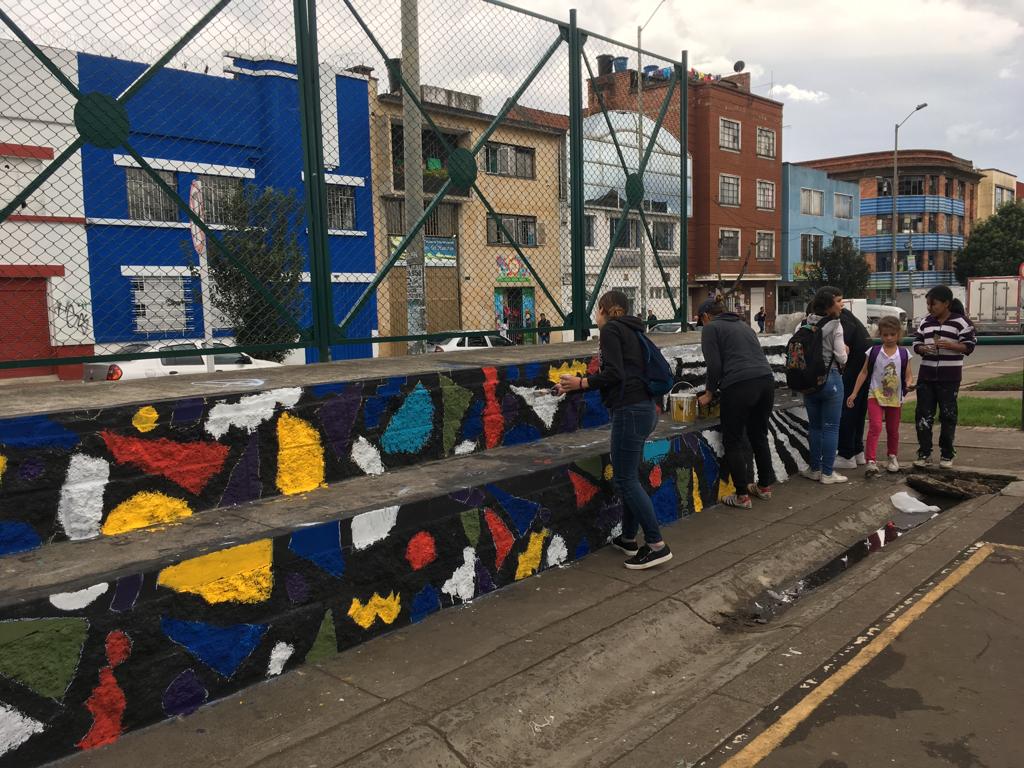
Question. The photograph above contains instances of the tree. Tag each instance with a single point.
(840, 265)
(261, 234)
(996, 246)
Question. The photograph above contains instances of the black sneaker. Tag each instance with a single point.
(629, 547)
(648, 558)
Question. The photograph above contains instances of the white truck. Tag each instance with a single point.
(916, 306)
(994, 304)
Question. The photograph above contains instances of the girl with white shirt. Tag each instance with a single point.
(825, 407)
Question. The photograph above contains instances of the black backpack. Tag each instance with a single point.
(806, 370)
(658, 378)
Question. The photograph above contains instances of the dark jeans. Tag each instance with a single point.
(929, 395)
(746, 409)
(631, 426)
(851, 423)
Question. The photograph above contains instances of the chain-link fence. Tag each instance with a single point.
(217, 186)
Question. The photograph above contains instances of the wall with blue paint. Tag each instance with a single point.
(795, 223)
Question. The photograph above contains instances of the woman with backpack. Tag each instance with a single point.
(888, 369)
(825, 404)
(622, 381)
(943, 339)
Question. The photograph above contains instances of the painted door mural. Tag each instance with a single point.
(24, 326)
(515, 308)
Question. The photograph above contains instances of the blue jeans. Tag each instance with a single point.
(824, 410)
(631, 426)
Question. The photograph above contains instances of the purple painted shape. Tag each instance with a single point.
(184, 695)
(338, 416)
(188, 411)
(126, 593)
(484, 582)
(296, 587)
(31, 469)
(609, 516)
(510, 409)
(244, 483)
(571, 413)
(471, 497)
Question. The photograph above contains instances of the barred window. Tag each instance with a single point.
(588, 231)
(341, 207)
(510, 160)
(810, 247)
(729, 244)
(629, 237)
(523, 228)
(844, 206)
(766, 195)
(728, 189)
(812, 202)
(765, 142)
(442, 222)
(664, 235)
(146, 200)
(728, 134)
(219, 192)
(765, 246)
(159, 304)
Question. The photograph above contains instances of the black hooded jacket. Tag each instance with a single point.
(622, 375)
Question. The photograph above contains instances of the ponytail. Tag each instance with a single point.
(957, 307)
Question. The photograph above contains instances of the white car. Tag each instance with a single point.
(671, 327)
(457, 343)
(151, 367)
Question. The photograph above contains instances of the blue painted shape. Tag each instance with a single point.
(410, 428)
(17, 537)
(221, 648)
(188, 411)
(375, 406)
(533, 371)
(523, 433)
(656, 450)
(583, 548)
(521, 511)
(473, 423)
(666, 502)
(35, 432)
(512, 373)
(427, 601)
(709, 466)
(594, 414)
(326, 390)
(321, 545)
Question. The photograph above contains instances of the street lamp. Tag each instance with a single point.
(896, 192)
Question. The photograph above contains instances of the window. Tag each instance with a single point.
(1003, 196)
(812, 202)
(728, 189)
(933, 185)
(509, 160)
(588, 231)
(728, 134)
(961, 190)
(933, 219)
(499, 341)
(523, 228)
(765, 246)
(341, 207)
(630, 235)
(911, 185)
(766, 195)
(949, 187)
(883, 225)
(664, 235)
(184, 359)
(661, 293)
(840, 242)
(159, 304)
(219, 192)
(912, 222)
(844, 206)
(630, 292)
(884, 188)
(810, 247)
(765, 142)
(728, 244)
(443, 222)
(146, 201)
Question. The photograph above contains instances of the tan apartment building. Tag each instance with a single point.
(996, 189)
(475, 278)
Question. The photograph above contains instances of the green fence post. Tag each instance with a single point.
(581, 320)
(684, 193)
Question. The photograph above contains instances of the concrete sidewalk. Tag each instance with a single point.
(595, 665)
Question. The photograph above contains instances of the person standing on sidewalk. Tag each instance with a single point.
(760, 318)
(622, 382)
(888, 369)
(943, 339)
(825, 407)
(851, 421)
(738, 369)
(542, 329)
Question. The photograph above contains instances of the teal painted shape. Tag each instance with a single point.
(656, 450)
(410, 428)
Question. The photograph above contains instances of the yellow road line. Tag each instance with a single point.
(758, 749)
(1011, 547)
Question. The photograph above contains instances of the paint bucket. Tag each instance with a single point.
(710, 411)
(683, 405)
(620, 63)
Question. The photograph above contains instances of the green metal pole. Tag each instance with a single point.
(684, 193)
(581, 319)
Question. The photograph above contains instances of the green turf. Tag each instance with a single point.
(1010, 382)
(979, 412)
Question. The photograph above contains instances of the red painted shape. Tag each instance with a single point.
(24, 323)
(190, 465)
(503, 539)
(656, 476)
(421, 550)
(494, 420)
(585, 490)
(36, 218)
(107, 702)
(594, 365)
(31, 270)
(26, 150)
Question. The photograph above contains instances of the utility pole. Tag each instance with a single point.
(639, 154)
(896, 193)
(412, 130)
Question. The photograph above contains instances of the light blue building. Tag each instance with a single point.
(816, 210)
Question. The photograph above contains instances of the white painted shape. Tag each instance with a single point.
(278, 658)
(187, 166)
(80, 509)
(250, 411)
(557, 551)
(131, 270)
(778, 465)
(367, 457)
(541, 401)
(16, 728)
(462, 584)
(371, 527)
(72, 601)
(714, 439)
(801, 465)
(466, 446)
(616, 531)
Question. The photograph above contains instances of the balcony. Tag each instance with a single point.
(882, 206)
(919, 242)
(433, 180)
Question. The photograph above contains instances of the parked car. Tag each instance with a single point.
(671, 327)
(457, 343)
(151, 367)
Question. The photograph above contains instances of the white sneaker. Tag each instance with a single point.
(893, 465)
(835, 477)
(844, 463)
(811, 474)
(859, 458)
(946, 463)
(871, 469)
(924, 462)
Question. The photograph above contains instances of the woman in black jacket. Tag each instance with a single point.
(624, 392)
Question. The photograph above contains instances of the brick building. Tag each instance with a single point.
(735, 140)
(938, 204)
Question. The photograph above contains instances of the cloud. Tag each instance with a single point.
(790, 92)
(1006, 73)
(978, 133)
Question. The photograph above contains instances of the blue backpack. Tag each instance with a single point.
(658, 378)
